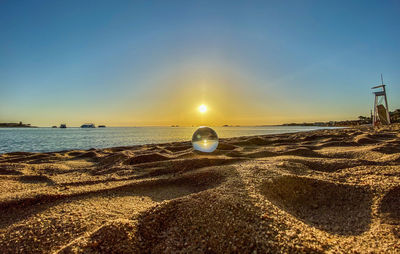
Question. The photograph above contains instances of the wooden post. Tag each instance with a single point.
(387, 106)
(375, 111)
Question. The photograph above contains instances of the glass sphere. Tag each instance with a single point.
(205, 140)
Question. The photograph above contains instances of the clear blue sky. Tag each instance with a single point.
(152, 62)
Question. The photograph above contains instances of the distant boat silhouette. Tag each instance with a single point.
(63, 126)
(88, 125)
(102, 126)
(53, 126)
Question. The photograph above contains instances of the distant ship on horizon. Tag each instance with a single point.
(88, 125)
(63, 126)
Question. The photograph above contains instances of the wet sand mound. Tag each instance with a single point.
(226, 146)
(196, 181)
(390, 207)
(35, 179)
(10, 169)
(78, 219)
(194, 224)
(183, 165)
(178, 148)
(27, 158)
(258, 154)
(319, 137)
(332, 165)
(89, 155)
(255, 141)
(76, 153)
(301, 151)
(114, 159)
(115, 237)
(365, 139)
(152, 157)
(337, 208)
(336, 143)
(388, 147)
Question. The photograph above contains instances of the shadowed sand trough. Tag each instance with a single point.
(326, 190)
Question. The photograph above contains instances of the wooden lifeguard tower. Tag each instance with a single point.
(381, 112)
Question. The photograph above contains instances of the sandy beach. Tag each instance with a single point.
(332, 191)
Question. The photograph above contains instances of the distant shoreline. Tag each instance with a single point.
(349, 123)
(166, 126)
(16, 125)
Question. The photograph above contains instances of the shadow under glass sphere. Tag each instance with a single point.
(205, 139)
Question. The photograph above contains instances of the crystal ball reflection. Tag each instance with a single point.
(205, 140)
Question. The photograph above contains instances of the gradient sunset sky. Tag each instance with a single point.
(132, 63)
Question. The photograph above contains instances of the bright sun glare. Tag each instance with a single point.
(202, 108)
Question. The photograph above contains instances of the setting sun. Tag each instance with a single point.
(202, 108)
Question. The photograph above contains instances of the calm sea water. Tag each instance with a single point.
(48, 139)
